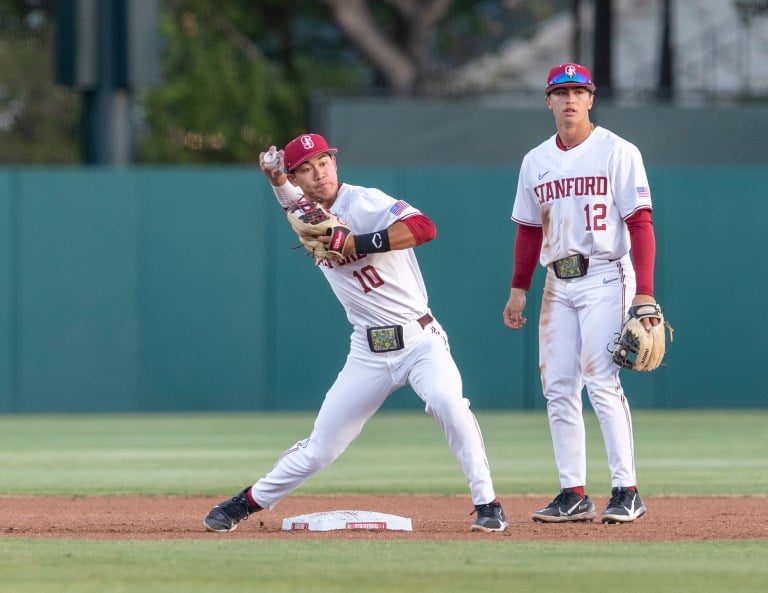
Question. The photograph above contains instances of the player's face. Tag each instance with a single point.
(570, 105)
(318, 178)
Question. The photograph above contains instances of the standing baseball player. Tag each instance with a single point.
(582, 202)
(395, 339)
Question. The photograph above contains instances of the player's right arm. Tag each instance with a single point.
(527, 251)
(513, 311)
(285, 192)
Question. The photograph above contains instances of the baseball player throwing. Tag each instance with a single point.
(582, 202)
(395, 338)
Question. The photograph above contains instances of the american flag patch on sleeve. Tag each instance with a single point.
(398, 207)
(643, 192)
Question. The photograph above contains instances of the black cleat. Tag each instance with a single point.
(226, 515)
(567, 506)
(490, 517)
(624, 507)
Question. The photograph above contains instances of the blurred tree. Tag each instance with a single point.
(236, 79)
(38, 121)
(399, 51)
(239, 75)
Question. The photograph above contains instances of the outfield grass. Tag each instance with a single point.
(678, 453)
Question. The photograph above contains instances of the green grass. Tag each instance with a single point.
(70, 566)
(678, 453)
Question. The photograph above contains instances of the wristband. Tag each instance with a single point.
(377, 242)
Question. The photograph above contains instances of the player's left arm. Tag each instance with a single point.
(401, 234)
(412, 231)
(643, 248)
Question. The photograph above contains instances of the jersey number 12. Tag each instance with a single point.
(597, 222)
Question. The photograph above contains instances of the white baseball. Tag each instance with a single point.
(271, 160)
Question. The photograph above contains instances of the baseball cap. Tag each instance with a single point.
(303, 148)
(569, 74)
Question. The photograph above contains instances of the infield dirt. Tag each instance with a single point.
(434, 518)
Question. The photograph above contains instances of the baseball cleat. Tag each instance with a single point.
(226, 515)
(624, 507)
(490, 517)
(567, 506)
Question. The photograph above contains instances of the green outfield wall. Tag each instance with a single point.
(181, 289)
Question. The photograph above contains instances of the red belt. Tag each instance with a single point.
(425, 320)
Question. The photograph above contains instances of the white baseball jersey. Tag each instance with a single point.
(581, 196)
(382, 288)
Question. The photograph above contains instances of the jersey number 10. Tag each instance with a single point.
(368, 278)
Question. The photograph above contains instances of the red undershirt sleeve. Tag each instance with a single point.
(423, 228)
(643, 243)
(527, 251)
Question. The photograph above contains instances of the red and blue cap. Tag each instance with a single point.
(569, 75)
(303, 148)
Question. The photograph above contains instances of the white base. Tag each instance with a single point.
(330, 520)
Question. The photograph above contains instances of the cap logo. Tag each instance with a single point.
(306, 142)
(570, 70)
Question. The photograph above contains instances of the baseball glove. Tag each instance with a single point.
(310, 221)
(640, 349)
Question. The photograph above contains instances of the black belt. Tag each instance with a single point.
(386, 338)
(573, 266)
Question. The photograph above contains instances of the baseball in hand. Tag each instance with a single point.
(271, 160)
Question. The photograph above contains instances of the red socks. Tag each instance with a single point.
(580, 490)
(252, 504)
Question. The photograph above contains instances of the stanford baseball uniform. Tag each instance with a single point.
(581, 197)
(382, 289)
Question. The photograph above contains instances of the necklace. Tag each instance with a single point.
(592, 127)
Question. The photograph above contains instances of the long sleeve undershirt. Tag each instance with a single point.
(642, 239)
